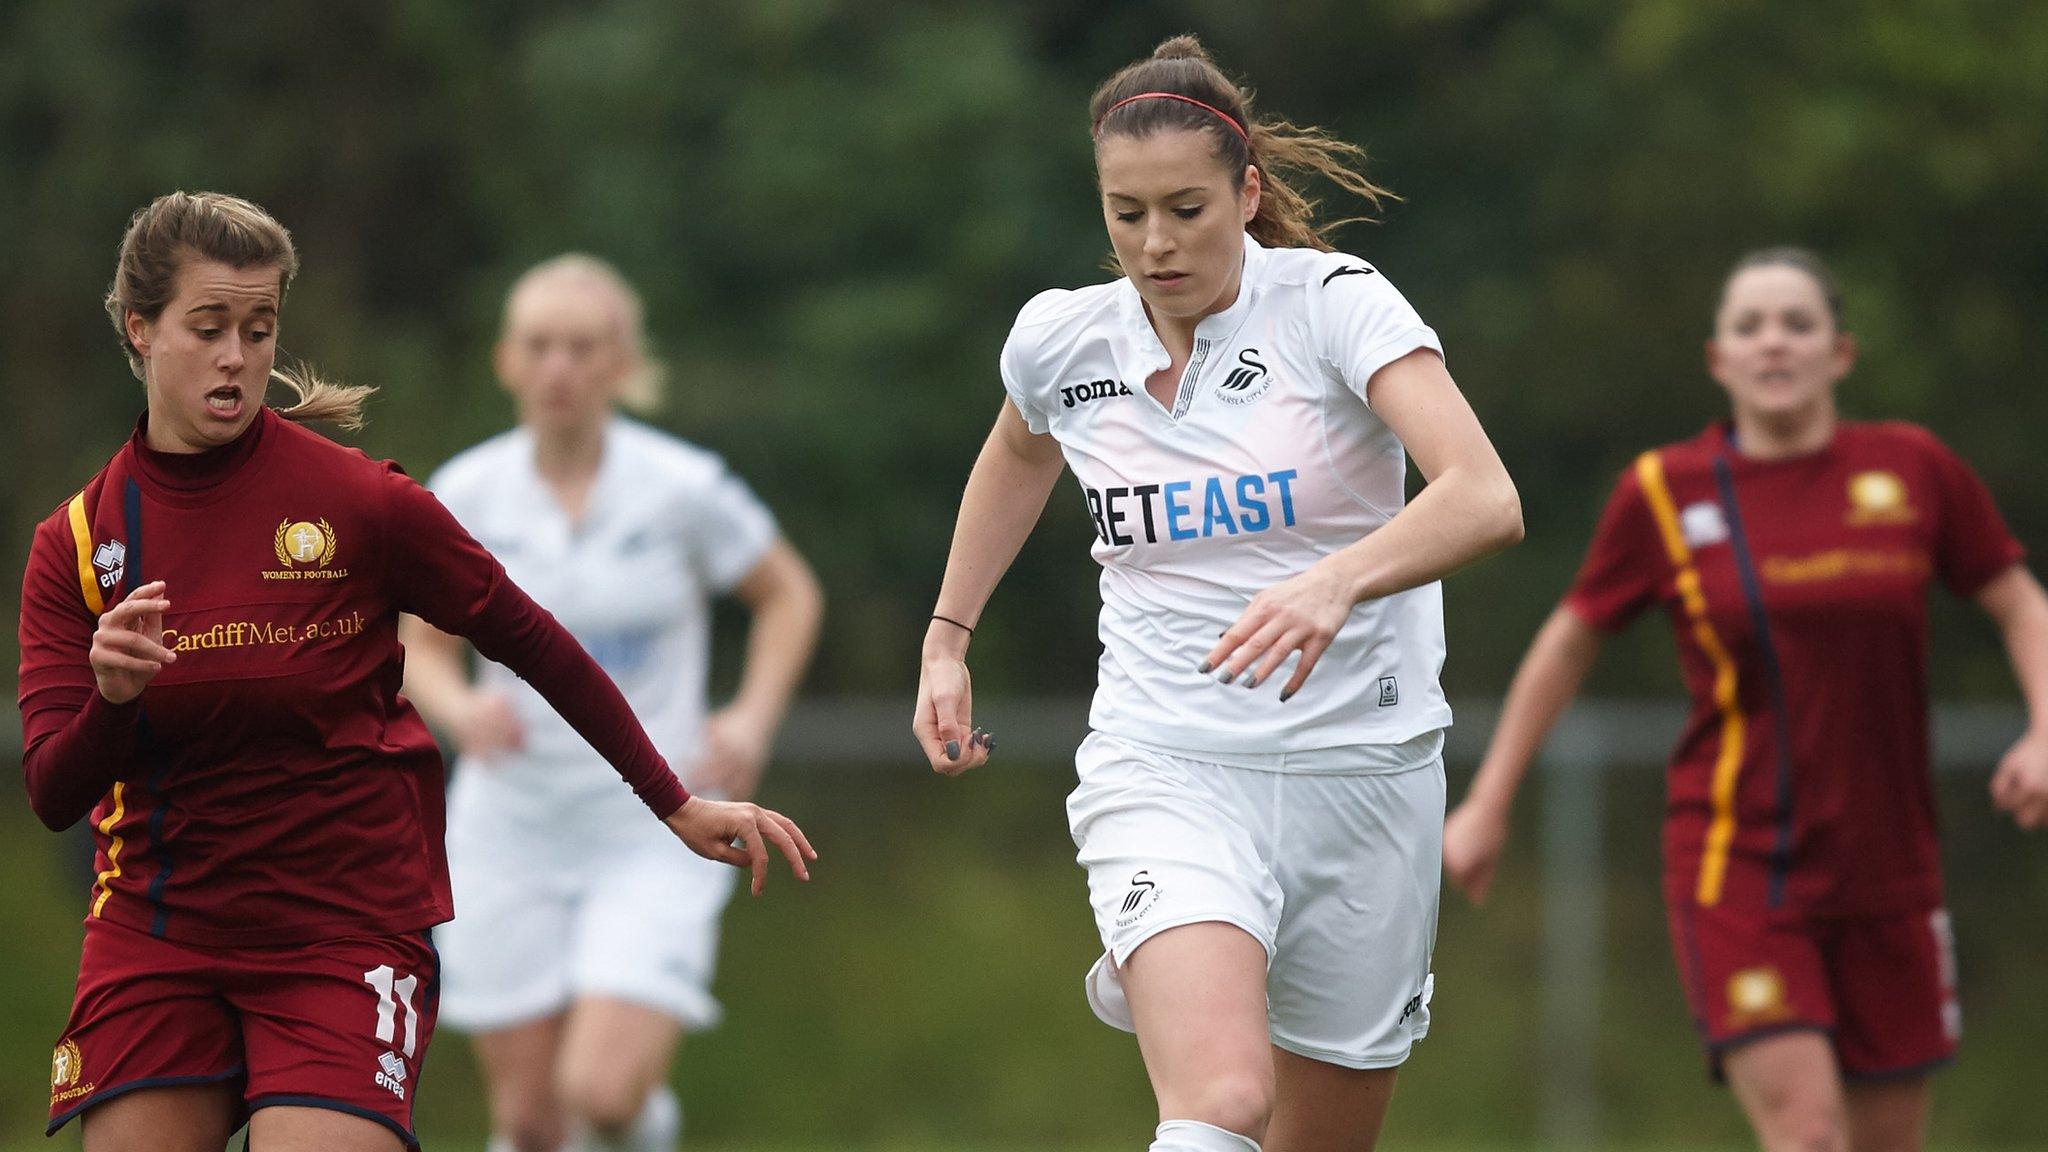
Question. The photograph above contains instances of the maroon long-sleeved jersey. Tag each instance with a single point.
(1797, 591)
(271, 785)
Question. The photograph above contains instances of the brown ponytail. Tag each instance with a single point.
(182, 226)
(1284, 153)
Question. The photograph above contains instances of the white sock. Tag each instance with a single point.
(655, 1129)
(660, 1124)
(1195, 1136)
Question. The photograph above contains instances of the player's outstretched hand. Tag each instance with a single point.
(944, 720)
(128, 647)
(737, 833)
(1299, 614)
(2020, 786)
(1474, 835)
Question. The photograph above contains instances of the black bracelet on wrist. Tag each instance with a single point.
(954, 623)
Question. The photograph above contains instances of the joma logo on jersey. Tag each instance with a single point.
(111, 561)
(1073, 394)
(1246, 382)
(305, 549)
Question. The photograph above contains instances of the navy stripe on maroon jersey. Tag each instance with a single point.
(131, 528)
(1774, 679)
(145, 743)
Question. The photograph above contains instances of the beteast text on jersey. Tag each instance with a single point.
(1179, 513)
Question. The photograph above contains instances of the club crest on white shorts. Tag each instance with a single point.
(1142, 897)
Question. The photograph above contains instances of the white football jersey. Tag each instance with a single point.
(666, 526)
(1268, 460)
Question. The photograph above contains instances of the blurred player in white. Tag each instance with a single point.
(1261, 846)
(582, 947)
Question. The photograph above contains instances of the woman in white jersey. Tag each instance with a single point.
(581, 950)
(1261, 844)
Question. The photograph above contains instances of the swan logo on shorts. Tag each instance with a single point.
(1756, 996)
(67, 1067)
(1139, 900)
(111, 559)
(391, 1074)
(1246, 382)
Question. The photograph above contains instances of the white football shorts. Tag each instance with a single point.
(1336, 873)
(539, 922)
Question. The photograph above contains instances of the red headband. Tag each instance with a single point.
(1216, 112)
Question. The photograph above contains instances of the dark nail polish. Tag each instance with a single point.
(1251, 681)
(989, 746)
(1284, 696)
(1205, 668)
(1227, 677)
(952, 749)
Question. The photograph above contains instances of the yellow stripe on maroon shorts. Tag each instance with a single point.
(105, 880)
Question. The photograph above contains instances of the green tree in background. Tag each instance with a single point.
(836, 208)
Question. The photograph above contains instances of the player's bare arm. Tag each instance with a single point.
(1476, 831)
(437, 681)
(1006, 494)
(1469, 510)
(782, 594)
(2016, 602)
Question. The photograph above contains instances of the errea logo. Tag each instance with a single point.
(391, 1073)
(110, 560)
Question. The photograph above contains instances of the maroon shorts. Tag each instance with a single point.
(1882, 987)
(342, 1024)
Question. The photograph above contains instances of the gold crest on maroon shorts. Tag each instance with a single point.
(67, 1068)
(1756, 996)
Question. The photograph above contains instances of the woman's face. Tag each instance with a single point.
(563, 355)
(207, 356)
(1176, 218)
(1775, 347)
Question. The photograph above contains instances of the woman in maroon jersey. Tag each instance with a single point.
(1792, 551)
(210, 666)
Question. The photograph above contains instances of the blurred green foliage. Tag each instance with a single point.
(835, 208)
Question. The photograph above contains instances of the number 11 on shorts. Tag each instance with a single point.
(394, 992)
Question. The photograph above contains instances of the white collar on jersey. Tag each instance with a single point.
(1144, 343)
